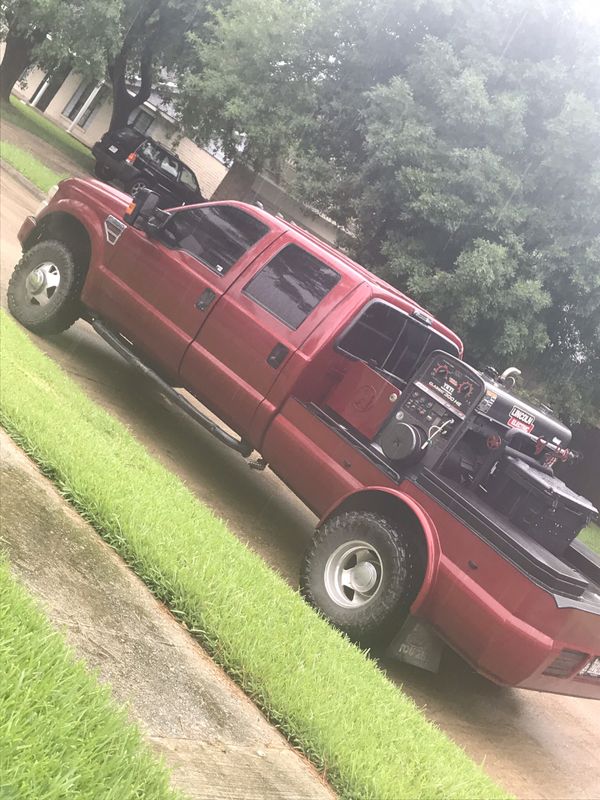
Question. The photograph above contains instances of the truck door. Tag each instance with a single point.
(257, 326)
(159, 291)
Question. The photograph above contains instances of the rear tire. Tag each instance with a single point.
(103, 172)
(362, 572)
(45, 287)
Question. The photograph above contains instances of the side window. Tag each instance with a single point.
(387, 338)
(292, 285)
(216, 235)
(188, 178)
(169, 165)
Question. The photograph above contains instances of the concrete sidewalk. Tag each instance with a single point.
(217, 744)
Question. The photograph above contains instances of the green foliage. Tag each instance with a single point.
(591, 537)
(61, 735)
(327, 696)
(457, 142)
(80, 31)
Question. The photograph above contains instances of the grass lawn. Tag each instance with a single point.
(331, 701)
(35, 122)
(591, 537)
(29, 166)
(61, 735)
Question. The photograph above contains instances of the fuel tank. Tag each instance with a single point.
(513, 412)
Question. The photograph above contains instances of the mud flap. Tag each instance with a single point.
(418, 644)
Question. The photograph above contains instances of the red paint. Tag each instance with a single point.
(505, 625)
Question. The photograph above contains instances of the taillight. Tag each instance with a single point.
(131, 157)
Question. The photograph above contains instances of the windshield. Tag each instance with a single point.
(388, 339)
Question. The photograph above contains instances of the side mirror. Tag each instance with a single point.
(142, 206)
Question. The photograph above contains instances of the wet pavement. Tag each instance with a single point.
(212, 737)
(536, 746)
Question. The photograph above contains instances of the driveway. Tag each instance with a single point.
(536, 746)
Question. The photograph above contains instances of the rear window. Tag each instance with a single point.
(159, 158)
(387, 338)
(216, 235)
(291, 285)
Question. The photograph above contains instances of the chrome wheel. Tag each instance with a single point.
(41, 284)
(353, 574)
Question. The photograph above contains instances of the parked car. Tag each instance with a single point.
(139, 162)
(441, 521)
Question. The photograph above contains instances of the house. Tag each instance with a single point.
(83, 107)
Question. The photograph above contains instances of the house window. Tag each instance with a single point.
(93, 107)
(292, 285)
(78, 99)
(140, 120)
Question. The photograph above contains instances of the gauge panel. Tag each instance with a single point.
(448, 379)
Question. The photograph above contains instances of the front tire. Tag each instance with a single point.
(362, 573)
(44, 289)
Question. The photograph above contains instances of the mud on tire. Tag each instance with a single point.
(44, 289)
(362, 572)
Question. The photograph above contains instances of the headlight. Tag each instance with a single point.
(49, 195)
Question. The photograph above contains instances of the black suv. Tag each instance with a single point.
(138, 162)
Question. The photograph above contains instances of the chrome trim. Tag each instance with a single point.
(113, 228)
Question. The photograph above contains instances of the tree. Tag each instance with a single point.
(49, 32)
(151, 44)
(134, 43)
(458, 143)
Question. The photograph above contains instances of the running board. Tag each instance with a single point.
(119, 344)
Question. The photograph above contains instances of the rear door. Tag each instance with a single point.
(159, 293)
(258, 324)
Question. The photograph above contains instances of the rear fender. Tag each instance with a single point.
(398, 504)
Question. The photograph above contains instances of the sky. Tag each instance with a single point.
(588, 9)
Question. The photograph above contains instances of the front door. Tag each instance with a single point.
(159, 292)
(258, 325)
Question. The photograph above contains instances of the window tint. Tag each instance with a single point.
(291, 285)
(389, 339)
(216, 235)
(188, 178)
(162, 160)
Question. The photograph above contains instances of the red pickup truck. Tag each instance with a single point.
(441, 520)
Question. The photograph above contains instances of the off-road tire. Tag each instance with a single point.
(377, 619)
(64, 306)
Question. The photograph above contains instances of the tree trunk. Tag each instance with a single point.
(123, 105)
(141, 29)
(18, 55)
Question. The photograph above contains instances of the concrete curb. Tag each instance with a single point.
(20, 178)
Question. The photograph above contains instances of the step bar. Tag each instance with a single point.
(123, 348)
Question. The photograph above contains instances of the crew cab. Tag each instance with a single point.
(441, 520)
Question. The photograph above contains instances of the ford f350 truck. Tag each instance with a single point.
(441, 520)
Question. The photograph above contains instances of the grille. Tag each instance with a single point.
(566, 663)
